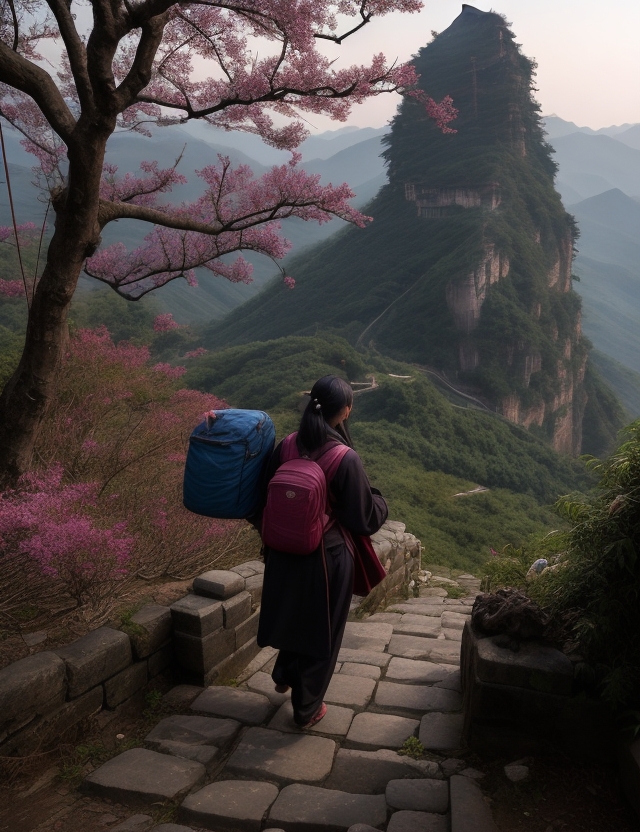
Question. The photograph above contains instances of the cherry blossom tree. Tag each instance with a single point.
(252, 65)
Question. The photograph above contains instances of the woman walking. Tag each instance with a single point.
(306, 598)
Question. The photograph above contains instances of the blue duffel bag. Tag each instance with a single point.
(226, 457)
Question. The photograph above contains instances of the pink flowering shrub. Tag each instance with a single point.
(108, 503)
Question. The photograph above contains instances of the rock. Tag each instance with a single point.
(454, 620)
(229, 805)
(418, 625)
(141, 777)
(193, 730)
(509, 611)
(533, 666)
(283, 757)
(451, 766)
(33, 639)
(305, 808)
(380, 731)
(181, 696)
(30, 686)
(414, 647)
(412, 670)
(377, 658)
(516, 773)
(218, 583)
(249, 708)
(418, 795)
(472, 773)
(441, 732)
(151, 629)
(368, 671)
(405, 821)
(123, 685)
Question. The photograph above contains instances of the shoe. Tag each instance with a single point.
(316, 719)
(282, 688)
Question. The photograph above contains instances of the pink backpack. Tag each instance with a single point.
(297, 509)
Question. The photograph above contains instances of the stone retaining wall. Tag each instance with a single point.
(207, 636)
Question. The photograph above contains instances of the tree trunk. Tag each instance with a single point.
(25, 398)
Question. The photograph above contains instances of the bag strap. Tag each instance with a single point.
(328, 457)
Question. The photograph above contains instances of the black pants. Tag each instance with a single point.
(309, 677)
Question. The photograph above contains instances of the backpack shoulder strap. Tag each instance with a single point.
(289, 448)
(330, 459)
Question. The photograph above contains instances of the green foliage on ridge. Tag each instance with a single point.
(418, 448)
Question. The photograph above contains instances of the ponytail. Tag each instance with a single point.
(327, 398)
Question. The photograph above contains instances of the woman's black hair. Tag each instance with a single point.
(328, 396)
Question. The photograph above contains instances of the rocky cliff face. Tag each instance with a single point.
(516, 321)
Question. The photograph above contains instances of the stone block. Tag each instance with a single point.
(46, 730)
(161, 660)
(231, 667)
(139, 777)
(248, 708)
(263, 683)
(218, 583)
(533, 666)
(124, 684)
(374, 657)
(335, 723)
(247, 629)
(235, 610)
(355, 691)
(407, 608)
(308, 809)
(358, 642)
(368, 671)
(452, 681)
(370, 629)
(441, 732)
(412, 670)
(229, 805)
(199, 655)
(368, 772)
(418, 795)
(195, 615)
(469, 810)
(253, 585)
(204, 754)
(405, 821)
(151, 629)
(454, 620)
(452, 635)
(418, 625)
(94, 658)
(385, 618)
(380, 731)
(415, 698)
(181, 696)
(284, 757)
(244, 570)
(193, 730)
(30, 687)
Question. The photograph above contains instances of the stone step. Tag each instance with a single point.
(243, 705)
(265, 754)
(311, 809)
(139, 777)
(469, 810)
(369, 671)
(418, 795)
(416, 672)
(229, 805)
(419, 625)
(353, 691)
(373, 657)
(441, 732)
(417, 699)
(335, 723)
(371, 731)
(368, 772)
(416, 647)
(405, 821)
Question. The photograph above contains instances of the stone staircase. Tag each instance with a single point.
(233, 760)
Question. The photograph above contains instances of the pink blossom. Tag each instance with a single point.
(169, 371)
(289, 282)
(196, 353)
(164, 322)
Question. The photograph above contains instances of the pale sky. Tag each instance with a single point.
(588, 55)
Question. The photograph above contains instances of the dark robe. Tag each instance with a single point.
(306, 598)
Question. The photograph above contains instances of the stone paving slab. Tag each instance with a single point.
(204, 754)
(263, 683)
(243, 705)
(369, 671)
(377, 658)
(369, 731)
(406, 608)
(368, 772)
(357, 642)
(355, 691)
(441, 732)
(454, 620)
(336, 723)
(369, 629)
(393, 697)
(275, 755)
(413, 670)
(405, 821)
(452, 681)
(384, 618)
(418, 795)
(452, 635)
(193, 730)
(139, 777)
(415, 647)
(229, 805)
(309, 809)
(418, 625)
(469, 810)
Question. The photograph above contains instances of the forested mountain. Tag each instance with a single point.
(467, 265)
